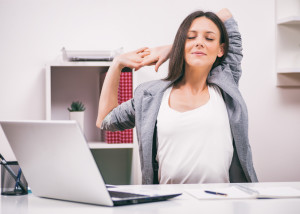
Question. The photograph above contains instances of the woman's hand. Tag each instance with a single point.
(157, 56)
(132, 59)
(224, 14)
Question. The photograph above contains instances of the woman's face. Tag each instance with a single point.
(202, 45)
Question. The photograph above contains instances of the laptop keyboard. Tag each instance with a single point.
(116, 194)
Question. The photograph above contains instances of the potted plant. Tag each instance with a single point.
(77, 112)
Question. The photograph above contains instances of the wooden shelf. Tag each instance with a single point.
(103, 145)
(291, 20)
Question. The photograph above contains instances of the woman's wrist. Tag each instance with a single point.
(224, 14)
(117, 63)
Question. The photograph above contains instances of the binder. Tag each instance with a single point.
(124, 94)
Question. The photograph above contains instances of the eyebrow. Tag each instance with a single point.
(194, 31)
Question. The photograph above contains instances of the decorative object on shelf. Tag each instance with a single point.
(77, 112)
(124, 94)
(99, 55)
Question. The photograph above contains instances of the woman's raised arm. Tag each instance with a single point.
(109, 94)
(234, 55)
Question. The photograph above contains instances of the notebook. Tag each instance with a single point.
(243, 191)
(57, 163)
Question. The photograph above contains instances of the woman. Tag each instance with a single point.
(192, 127)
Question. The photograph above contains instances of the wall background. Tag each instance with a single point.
(33, 32)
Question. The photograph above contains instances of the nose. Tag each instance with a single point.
(199, 42)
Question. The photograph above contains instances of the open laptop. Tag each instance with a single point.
(57, 163)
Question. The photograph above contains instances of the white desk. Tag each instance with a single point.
(184, 204)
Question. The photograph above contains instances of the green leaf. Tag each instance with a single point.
(77, 106)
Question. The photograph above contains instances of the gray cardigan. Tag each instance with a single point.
(142, 110)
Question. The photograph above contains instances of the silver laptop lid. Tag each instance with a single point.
(56, 160)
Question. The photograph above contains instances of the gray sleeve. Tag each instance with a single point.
(120, 118)
(234, 56)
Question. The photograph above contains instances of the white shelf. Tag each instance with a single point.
(291, 20)
(287, 16)
(288, 71)
(103, 145)
(81, 64)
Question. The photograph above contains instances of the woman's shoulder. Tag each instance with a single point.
(152, 87)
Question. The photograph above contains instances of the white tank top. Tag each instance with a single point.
(194, 146)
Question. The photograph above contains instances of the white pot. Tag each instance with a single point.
(78, 116)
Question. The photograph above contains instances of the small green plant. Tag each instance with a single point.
(76, 106)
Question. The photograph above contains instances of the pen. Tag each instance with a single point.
(11, 172)
(18, 180)
(215, 193)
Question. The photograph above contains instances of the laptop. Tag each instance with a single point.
(57, 163)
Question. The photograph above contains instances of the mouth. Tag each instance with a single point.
(198, 53)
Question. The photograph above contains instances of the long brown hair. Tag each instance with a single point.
(177, 62)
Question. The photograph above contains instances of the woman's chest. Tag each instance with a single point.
(182, 102)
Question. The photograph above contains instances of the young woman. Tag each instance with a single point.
(192, 127)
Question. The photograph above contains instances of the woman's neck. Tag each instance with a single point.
(194, 80)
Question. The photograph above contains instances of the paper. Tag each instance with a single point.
(234, 192)
(278, 192)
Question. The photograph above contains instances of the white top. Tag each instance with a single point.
(194, 146)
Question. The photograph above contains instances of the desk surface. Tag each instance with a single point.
(184, 204)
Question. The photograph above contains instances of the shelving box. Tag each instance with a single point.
(73, 81)
(288, 42)
(69, 82)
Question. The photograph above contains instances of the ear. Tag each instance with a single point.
(221, 50)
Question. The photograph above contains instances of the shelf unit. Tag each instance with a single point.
(72, 81)
(288, 43)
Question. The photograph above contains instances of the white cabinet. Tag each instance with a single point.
(288, 42)
(73, 81)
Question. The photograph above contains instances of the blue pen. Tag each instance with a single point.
(17, 186)
(215, 193)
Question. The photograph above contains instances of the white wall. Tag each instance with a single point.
(32, 33)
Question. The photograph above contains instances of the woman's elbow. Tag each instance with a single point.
(99, 123)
